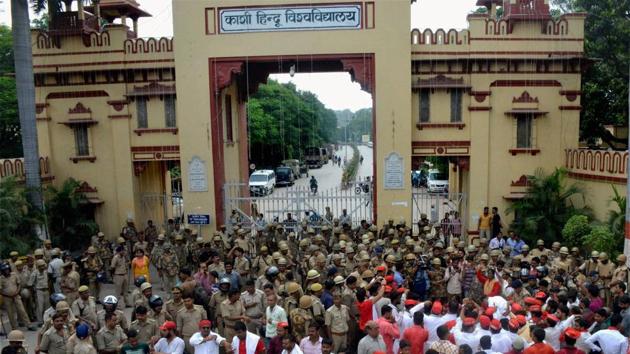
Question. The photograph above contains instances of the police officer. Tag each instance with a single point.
(93, 265)
(109, 308)
(120, 272)
(69, 282)
(10, 290)
(84, 307)
(169, 266)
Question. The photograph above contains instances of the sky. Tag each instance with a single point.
(335, 90)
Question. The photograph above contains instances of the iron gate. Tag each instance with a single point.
(161, 206)
(436, 206)
(240, 206)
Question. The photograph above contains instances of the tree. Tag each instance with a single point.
(603, 240)
(605, 83)
(16, 215)
(574, 231)
(66, 218)
(617, 219)
(546, 208)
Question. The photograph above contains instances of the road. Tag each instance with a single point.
(297, 199)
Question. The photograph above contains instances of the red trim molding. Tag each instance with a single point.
(76, 94)
(141, 131)
(118, 105)
(421, 126)
(587, 176)
(525, 83)
(480, 96)
(473, 109)
(533, 152)
(570, 108)
(119, 116)
(165, 148)
(76, 159)
(43, 119)
(439, 143)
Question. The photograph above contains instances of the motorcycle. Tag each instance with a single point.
(362, 187)
(314, 189)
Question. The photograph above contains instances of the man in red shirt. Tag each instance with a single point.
(364, 305)
(539, 347)
(388, 328)
(416, 335)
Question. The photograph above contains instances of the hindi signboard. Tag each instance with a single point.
(198, 219)
(197, 175)
(295, 18)
(393, 172)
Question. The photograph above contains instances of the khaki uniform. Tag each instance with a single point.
(241, 265)
(228, 310)
(104, 251)
(121, 319)
(29, 302)
(85, 310)
(188, 323)
(39, 283)
(254, 308)
(162, 317)
(156, 255)
(10, 290)
(438, 287)
(337, 319)
(54, 342)
(261, 263)
(70, 287)
(538, 253)
(605, 274)
(146, 330)
(621, 274)
(181, 251)
(110, 339)
(120, 272)
(300, 320)
(92, 266)
(169, 264)
(215, 310)
(172, 309)
(217, 267)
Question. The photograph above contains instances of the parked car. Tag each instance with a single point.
(437, 181)
(285, 176)
(303, 169)
(262, 182)
(315, 157)
(295, 166)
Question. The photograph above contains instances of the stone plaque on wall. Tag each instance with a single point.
(394, 176)
(197, 175)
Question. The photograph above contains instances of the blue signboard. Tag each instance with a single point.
(198, 219)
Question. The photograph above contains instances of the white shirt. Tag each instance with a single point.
(176, 346)
(552, 336)
(276, 316)
(472, 339)
(296, 350)
(207, 347)
(500, 304)
(501, 342)
(610, 342)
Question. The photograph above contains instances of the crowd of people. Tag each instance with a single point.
(337, 288)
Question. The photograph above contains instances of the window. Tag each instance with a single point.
(169, 111)
(141, 109)
(524, 124)
(425, 105)
(456, 106)
(81, 140)
(229, 133)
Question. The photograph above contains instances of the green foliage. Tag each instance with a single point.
(617, 218)
(603, 240)
(546, 208)
(41, 23)
(6, 50)
(284, 121)
(16, 218)
(574, 231)
(67, 213)
(10, 137)
(352, 168)
(358, 123)
(605, 83)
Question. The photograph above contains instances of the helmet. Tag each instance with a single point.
(495, 253)
(199, 240)
(276, 255)
(390, 258)
(306, 302)
(436, 261)
(38, 252)
(540, 242)
(272, 271)
(439, 244)
(55, 298)
(224, 280)
(525, 248)
(283, 246)
(5, 266)
(179, 237)
(111, 300)
(472, 248)
(564, 250)
(603, 256)
(312, 274)
(91, 250)
(282, 261)
(120, 240)
(367, 274)
(339, 280)
(484, 257)
(450, 249)
(155, 301)
(16, 336)
(556, 244)
(292, 287)
(139, 280)
(145, 286)
(575, 249)
(101, 277)
(594, 254)
(82, 331)
(622, 258)
(62, 306)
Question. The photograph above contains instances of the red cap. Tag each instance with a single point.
(401, 290)
(380, 268)
(388, 289)
(379, 352)
(553, 318)
(411, 302)
(572, 333)
(495, 324)
(490, 311)
(516, 307)
(389, 278)
(168, 325)
(530, 301)
(521, 320)
(436, 309)
(540, 295)
(205, 323)
(469, 321)
(514, 324)
(450, 324)
(535, 308)
(282, 325)
(484, 321)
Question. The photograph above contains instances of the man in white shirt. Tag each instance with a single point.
(610, 340)
(207, 342)
(169, 343)
(289, 346)
(274, 314)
